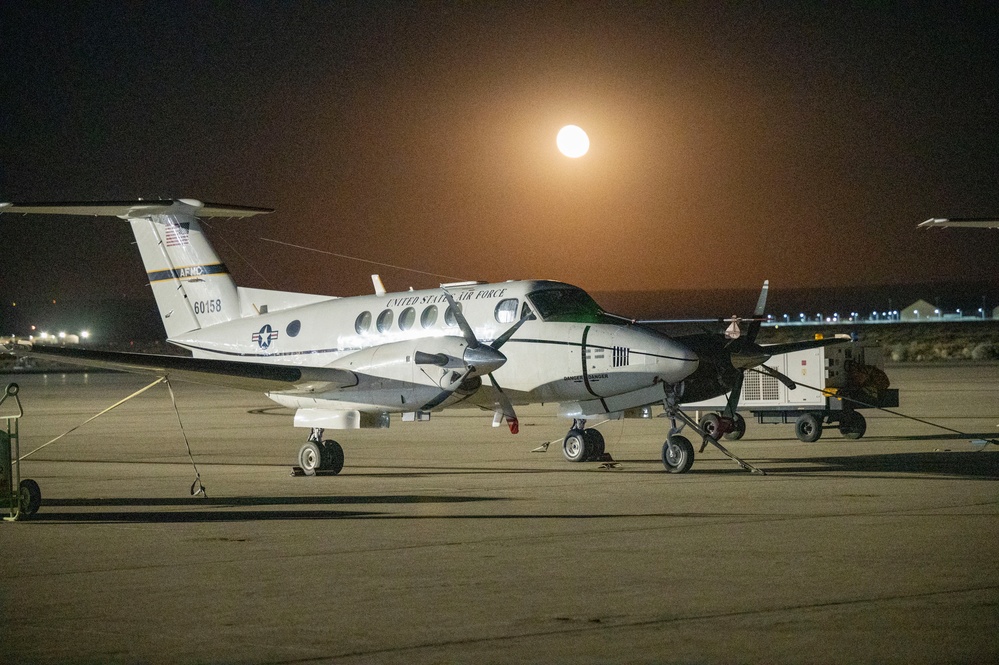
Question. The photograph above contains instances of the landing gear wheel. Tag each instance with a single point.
(310, 458)
(574, 446)
(852, 425)
(594, 442)
(711, 423)
(678, 454)
(739, 428)
(808, 427)
(332, 458)
(30, 496)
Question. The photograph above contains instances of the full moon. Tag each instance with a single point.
(572, 141)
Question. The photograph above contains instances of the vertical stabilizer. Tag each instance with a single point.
(192, 287)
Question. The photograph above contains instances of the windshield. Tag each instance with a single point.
(567, 304)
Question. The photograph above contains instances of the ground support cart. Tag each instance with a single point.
(18, 498)
(835, 384)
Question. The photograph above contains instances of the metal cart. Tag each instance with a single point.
(20, 498)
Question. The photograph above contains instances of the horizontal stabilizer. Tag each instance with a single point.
(231, 374)
(134, 209)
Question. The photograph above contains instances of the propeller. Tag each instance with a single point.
(486, 358)
(746, 354)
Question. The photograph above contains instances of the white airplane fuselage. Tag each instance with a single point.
(568, 352)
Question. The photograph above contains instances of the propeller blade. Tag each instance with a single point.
(761, 308)
(453, 381)
(505, 406)
(466, 329)
(783, 378)
(761, 304)
(733, 397)
(505, 337)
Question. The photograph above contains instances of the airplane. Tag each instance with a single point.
(344, 363)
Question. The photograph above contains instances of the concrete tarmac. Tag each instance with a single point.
(450, 541)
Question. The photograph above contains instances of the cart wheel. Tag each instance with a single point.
(852, 425)
(31, 497)
(808, 427)
(740, 429)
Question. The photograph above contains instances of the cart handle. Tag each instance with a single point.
(11, 391)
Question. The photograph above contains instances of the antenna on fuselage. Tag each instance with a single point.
(379, 287)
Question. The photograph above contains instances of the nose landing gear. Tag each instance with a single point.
(678, 453)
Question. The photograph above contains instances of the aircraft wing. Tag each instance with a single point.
(790, 347)
(244, 375)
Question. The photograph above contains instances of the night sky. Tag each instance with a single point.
(729, 142)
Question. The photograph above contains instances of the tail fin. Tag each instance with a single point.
(192, 287)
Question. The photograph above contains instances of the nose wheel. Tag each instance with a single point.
(678, 454)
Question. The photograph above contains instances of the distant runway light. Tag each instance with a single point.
(572, 141)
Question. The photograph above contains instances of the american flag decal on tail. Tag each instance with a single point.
(177, 235)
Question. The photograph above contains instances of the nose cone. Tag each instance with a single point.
(672, 360)
(483, 359)
(664, 358)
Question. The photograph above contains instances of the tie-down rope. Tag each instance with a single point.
(197, 482)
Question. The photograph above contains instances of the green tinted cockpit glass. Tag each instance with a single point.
(567, 304)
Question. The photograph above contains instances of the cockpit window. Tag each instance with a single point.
(567, 304)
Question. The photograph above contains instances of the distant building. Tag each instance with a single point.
(919, 311)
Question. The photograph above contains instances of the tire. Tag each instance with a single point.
(30, 496)
(710, 423)
(310, 458)
(852, 425)
(740, 429)
(808, 427)
(678, 457)
(332, 457)
(594, 441)
(574, 446)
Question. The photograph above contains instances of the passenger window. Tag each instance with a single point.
(407, 318)
(363, 323)
(449, 319)
(429, 317)
(506, 310)
(385, 320)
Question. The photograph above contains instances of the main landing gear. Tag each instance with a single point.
(582, 444)
(320, 456)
